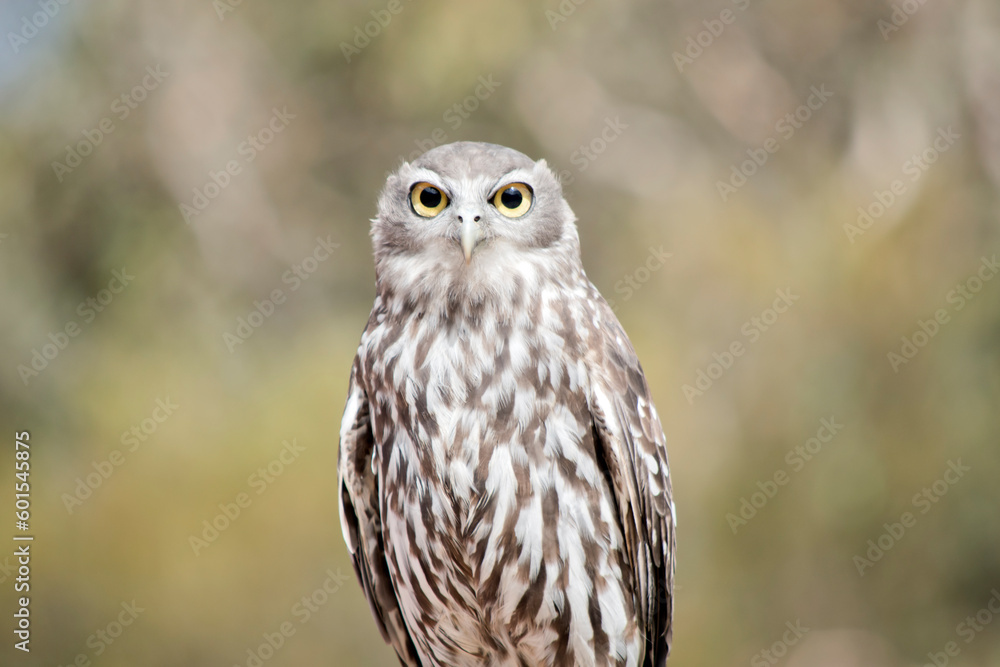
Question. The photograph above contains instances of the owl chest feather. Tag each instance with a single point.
(490, 481)
(469, 392)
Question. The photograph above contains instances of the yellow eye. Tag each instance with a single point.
(513, 200)
(427, 200)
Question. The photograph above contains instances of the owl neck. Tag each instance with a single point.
(503, 284)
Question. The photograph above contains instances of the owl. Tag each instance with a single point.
(504, 490)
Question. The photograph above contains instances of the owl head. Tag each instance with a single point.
(471, 220)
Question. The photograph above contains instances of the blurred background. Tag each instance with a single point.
(792, 205)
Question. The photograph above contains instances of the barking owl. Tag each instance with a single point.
(504, 491)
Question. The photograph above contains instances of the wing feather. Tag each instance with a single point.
(631, 442)
(361, 520)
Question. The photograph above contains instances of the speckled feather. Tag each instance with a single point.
(504, 487)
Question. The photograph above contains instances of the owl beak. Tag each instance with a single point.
(470, 235)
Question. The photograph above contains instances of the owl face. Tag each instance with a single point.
(465, 208)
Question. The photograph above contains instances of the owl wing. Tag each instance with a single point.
(629, 442)
(361, 520)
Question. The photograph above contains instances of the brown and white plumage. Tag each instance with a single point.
(504, 487)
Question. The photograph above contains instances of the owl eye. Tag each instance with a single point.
(427, 200)
(513, 200)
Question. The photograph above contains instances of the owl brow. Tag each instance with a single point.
(431, 183)
(507, 179)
